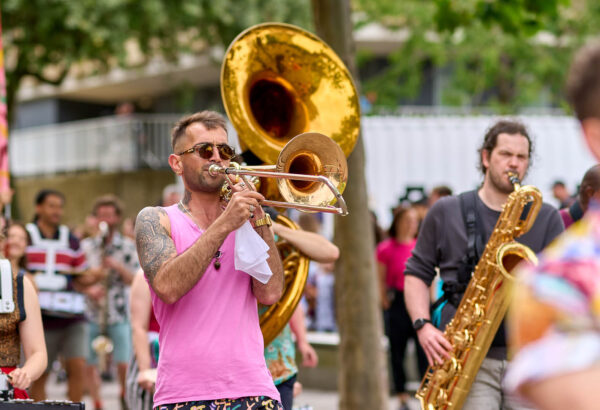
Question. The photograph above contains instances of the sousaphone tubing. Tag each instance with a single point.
(279, 81)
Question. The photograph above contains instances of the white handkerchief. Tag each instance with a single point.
(251, 253)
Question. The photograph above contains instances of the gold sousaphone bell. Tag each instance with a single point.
(293, 104)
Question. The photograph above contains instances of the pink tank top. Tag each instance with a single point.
(211, 346)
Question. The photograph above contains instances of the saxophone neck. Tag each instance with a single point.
(514, 179)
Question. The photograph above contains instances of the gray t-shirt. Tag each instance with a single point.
(442, 243)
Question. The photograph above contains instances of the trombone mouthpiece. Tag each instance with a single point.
(214, 170)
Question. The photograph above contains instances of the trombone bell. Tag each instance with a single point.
(312, 173)
(312, 153)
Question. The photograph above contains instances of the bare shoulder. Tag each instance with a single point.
(30, 296)
(28, 287)
(153, 240)
(152, 217)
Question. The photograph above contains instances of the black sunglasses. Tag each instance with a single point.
(205, 150)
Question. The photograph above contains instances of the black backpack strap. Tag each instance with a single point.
(21, 296)
(453, 290)
(469, 214)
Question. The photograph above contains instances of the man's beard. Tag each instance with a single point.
(201, 182)
(501, 182)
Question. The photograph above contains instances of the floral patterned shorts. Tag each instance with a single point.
(243, 403)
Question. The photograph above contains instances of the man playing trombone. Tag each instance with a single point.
(211, 346)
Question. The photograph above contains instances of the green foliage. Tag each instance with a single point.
(488, 51)
(44, 38)
(506, 54)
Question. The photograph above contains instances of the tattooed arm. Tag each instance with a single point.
(170, 275)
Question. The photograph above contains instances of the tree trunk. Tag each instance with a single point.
(363, 371)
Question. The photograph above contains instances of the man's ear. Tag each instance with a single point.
(485, 158)
(591, 132)
(175, 163)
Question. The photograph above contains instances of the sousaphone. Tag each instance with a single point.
(278, 81)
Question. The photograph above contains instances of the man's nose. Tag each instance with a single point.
(215, 157)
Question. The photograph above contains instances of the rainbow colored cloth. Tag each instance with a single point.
(554, 320)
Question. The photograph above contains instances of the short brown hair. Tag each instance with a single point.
(441, 190)
(210, 119)
(583, 82)
(589, 185)
(108, 200)
(398, 214)
(502, 127)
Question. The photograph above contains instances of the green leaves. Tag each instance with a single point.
(44, 38)
(506, 54)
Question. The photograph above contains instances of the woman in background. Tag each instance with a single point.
(23, 326)
(392, 255)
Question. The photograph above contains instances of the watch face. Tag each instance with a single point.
(419, 323)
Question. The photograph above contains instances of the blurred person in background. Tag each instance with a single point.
(61, 274)
(22, 328)
(555, 316)
(323, 278)
(318, 299)
(17, 239)
(561, 193)
(378, 231)
(392, 255)
(589, 190)
(88, 228)
(141, 374)
(437, 193)
(107, 311)
(171, 194)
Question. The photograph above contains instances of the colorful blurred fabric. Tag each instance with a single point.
(554, 322)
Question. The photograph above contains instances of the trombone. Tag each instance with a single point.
(319, 173)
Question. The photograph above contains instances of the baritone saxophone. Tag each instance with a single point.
(484, 304)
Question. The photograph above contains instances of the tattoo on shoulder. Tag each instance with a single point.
(153, 241)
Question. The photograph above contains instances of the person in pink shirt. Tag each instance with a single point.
(210, 342)
(392, 255)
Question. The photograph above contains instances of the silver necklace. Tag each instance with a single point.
(218, 254)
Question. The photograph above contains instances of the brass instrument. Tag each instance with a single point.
(484, 304)
(279, 81)
(311, 170)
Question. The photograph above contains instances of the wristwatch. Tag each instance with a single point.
(420, 322)
(265, 220)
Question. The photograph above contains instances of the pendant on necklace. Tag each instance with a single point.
(217, 263)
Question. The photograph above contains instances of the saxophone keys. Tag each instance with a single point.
(479, 312)
(462, 340)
